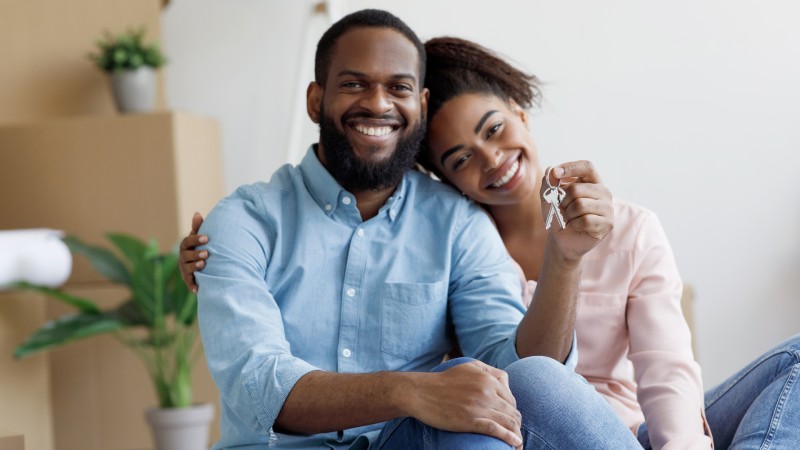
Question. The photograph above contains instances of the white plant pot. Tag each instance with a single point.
(134, 90)
(181, 428)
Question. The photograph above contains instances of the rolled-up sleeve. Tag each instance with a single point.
(242, 330)
(485, 292)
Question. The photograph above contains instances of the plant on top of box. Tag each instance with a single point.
(126, 51)
(157, 322)
(131, 65)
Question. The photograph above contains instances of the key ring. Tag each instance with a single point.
(547, 178)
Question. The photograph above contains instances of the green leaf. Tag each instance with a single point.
(126, 51)
(156, 341)
(129, 314)
(143, 288)
(188, 312)
(120, 56)
(66, 329)
(101, 259)
(83, 304)
(133, 248)
(136, 61)
(169, 262)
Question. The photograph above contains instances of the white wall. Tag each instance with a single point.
(689, 107)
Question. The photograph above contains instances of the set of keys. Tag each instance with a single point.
(553, 195)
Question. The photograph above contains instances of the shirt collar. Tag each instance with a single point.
(328, 194)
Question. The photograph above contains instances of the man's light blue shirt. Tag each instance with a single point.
(297, 282)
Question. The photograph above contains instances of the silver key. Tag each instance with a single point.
(553, 195)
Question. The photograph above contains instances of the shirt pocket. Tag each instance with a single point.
(413, 318)
(602, 328)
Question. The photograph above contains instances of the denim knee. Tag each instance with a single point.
(561, 410)
(789, 348)
(792, 345)
(537, 373)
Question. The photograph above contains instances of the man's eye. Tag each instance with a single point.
(402, 87)
(352, 85)
(460, 161)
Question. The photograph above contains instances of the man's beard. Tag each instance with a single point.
(356, 175)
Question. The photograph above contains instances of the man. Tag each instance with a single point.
(332, 291)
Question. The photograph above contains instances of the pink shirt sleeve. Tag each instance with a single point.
(669, 387)
(633, 342)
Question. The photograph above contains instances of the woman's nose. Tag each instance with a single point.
(492, 159)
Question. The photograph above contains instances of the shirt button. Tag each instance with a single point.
(328, 207)
(346, 200)
(346, 353)
(360, 232)
(351, 292)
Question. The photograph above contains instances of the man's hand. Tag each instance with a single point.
(587, 208)
(191, 259)
(472, 398)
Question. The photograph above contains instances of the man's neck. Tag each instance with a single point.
(370, 202)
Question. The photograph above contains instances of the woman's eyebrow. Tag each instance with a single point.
(446, 154)
(483, 120)
(478, 127)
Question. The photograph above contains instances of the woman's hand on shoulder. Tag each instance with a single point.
(587, 208)
(192, 260)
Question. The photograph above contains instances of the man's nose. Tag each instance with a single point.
(377, 100)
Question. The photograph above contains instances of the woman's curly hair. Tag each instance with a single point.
(457, 66)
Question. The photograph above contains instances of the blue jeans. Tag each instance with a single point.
(758, 407)
(560, 410)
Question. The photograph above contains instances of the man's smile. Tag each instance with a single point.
(372, 131)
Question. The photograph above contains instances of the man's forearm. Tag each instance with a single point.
(471, 397)
(328, 401)
(548, 326)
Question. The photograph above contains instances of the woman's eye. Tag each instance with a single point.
(460, 161)
(494, 129)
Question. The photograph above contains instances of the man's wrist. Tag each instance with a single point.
(402, 387)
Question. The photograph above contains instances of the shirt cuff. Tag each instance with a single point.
(572, 358)
(509, 354)
(271, 383)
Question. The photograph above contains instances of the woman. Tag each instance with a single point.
(633, 343)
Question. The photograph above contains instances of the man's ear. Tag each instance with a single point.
(423, 102)
(314, 100)
(518, 110)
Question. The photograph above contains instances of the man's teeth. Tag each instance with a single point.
(373, 131)
(508, 176)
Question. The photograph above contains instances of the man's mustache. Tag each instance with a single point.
(365, 115)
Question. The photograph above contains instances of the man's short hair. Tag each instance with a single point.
(366, 18)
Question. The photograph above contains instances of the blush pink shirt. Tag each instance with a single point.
(634, 345)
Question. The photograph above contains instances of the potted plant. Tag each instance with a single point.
(131, 65)
(158, 323)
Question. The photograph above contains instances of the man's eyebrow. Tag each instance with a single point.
(351, 73)
(400, 76)
(446, 154)
(483, 120)
(355, 73)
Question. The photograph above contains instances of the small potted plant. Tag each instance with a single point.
(158, 323)
(131, 65)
